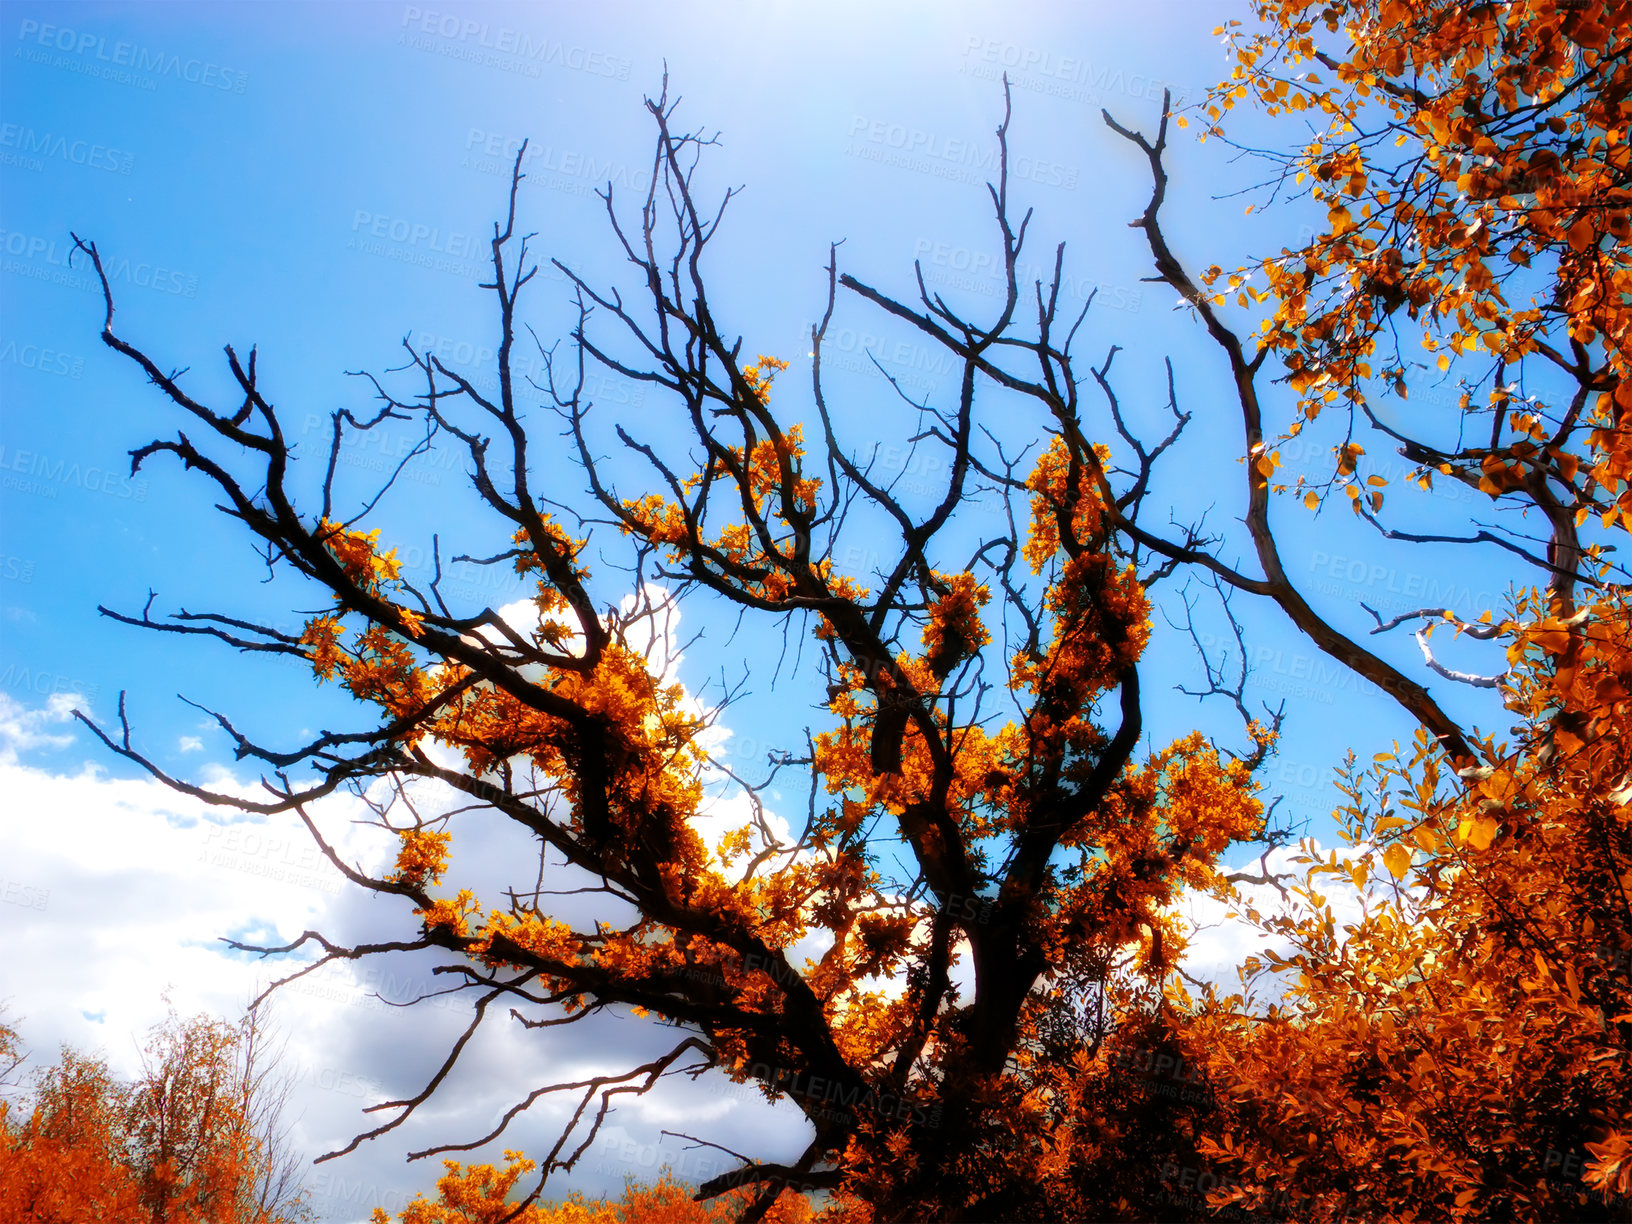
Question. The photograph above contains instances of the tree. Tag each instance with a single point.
(204, 1123)
(11, 1051)
(1460, 1051)
(1042, 845)
(1042, 848)
(64, 1166)
(195, 1139)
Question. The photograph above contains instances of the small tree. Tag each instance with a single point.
(195, 1139)
(204, 1124)
(66, 1164)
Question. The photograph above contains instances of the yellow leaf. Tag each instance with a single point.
(1477, 831)
(1444, 361)
(1398, 861)
(1311, 499)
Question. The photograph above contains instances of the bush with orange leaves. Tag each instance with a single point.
(482, 1194)
(1461, 1050)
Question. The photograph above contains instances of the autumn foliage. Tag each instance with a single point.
(485, 1194)
(1473, 166)
(1459, 1049)
(186, 1143)
(63, 1164)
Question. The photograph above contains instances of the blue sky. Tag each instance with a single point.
(318, 180)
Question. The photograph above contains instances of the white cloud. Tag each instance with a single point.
(1221, 937)
(22, 728)
(189, 743)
